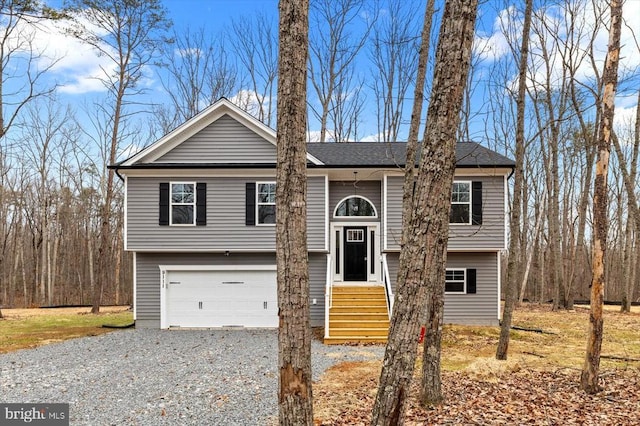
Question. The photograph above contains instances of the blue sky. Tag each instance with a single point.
(78, 64)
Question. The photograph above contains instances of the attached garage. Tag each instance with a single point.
(218, 296)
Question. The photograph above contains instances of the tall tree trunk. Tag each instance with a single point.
(628, 265)
(91, 265)
(629, 179)
(294, 336)
(425, 236)
(590, 370)
(529, 257)
(416, 115)
(513, 270)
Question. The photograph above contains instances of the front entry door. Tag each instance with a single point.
(355, 254)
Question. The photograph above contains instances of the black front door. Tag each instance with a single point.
(355, 254)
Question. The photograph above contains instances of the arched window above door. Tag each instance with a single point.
(355, 206)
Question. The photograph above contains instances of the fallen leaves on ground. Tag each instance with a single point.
(523, 396)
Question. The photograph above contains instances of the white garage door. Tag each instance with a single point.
(245, 298)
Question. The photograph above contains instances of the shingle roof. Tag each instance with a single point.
(383, 154)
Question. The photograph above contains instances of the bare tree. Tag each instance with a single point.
(129, 34)
(44, 149)
(629, 176)
(199, 72)
(423, 253)
(392, 51)
(332, 52)
(22, 66)
(294, 336)
(514, 242)
(255, 44)
(590, 370)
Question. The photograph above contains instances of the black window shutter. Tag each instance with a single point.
(476, 203)
(163, 219)
(201, 204)
(471, 281)
(250, 212)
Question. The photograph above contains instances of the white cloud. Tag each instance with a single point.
(74, 65)
(495, 45)
(313, 136)
(376, 137)
(624, 119)
(254, 103)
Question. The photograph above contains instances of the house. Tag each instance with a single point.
(200, 213)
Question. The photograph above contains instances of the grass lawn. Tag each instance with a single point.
(538, 384)
(28, 328)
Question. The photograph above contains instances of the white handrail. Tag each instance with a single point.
(387, 284)
(327, 296)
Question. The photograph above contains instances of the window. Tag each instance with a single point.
(266, 203)
(355, 206)
(460, 281)
(355, 235)
(183, 203)
(460, 203)
(455, 281)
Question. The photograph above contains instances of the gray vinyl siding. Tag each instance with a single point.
(316, 213)
(480, 308)
(223, 141)
(488, 236)
(369, 189)
(225, 229)
(148, 279)
(317, 286)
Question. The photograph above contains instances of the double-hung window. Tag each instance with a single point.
(460, 203)
(460, 281)
(266, 203)
(455, 281)
(183, 204)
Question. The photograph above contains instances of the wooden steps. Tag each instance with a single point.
(358, 315)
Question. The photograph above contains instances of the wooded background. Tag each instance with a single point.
(61, 209)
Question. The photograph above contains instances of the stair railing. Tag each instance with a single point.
(328, 293)
(387, 284)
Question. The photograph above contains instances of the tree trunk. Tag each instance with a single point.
(294, 336)
(628, 265)
(590, 370)
(536, 236)
(513, 270)
(424, 236)
(629, 179)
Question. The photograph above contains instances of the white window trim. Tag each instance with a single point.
(464, 270)
(171, 203)
(258, 203)
(470, 203)
(335, 210)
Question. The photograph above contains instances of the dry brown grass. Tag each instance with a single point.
(343, 391)
(29, 328)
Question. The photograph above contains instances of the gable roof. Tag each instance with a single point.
(196, 124)
(390, 154)
(330, 154)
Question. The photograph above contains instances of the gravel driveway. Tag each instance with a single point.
(151, 377)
